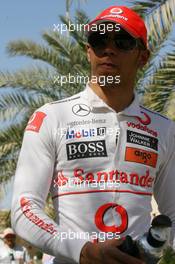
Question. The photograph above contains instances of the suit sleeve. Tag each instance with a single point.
(164, 188)
(32, 182)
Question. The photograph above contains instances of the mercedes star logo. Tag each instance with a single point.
(81, 110)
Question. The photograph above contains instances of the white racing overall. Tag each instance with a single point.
(101, 168)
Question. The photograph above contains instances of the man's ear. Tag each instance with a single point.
(88, 52)
(144, 57)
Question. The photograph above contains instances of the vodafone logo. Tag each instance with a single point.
(116, 11)
(32, 118)
(35, 121)
(119, 211)
(146, 120)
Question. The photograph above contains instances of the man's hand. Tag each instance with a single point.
(106, 253)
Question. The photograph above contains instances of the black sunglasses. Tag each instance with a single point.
(123, 41)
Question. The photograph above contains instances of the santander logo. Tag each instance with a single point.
(27, 209)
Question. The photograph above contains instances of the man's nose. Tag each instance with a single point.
(110, 48)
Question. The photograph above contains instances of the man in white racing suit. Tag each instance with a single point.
(100, 153)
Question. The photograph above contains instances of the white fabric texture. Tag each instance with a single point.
(82, 139)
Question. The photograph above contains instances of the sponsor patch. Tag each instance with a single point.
(28, 210)
(35, 121)
(143, 128)
(81, 110)
(141, 156)
(86, 122)
(85, 133)
(143, 124)
(81, 176)
(86, 149)
(142, 140)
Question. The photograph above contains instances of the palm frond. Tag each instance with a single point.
(78, 32)
(159, 17)
(59, 43)
(36, 79)
(159, 89)
(11, 140)
(71, 55)
(8, 168)
(16, 103)
(33, 79)
(170, 106)
(33, 50)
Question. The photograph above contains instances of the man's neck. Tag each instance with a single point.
(117, 98)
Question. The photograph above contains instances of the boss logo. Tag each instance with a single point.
(86, 149)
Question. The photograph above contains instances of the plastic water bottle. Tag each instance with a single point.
(151, 245)
(12, 259)
(35, 260)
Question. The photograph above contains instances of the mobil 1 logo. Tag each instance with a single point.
(86, 149)
(142, 140)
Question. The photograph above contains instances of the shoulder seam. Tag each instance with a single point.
(68, 99)
(154, 112)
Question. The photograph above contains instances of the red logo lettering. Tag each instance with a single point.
(99, 218)
(141, 156)
(26, 207)
(146, 121)
(60, 179)
(35, 121)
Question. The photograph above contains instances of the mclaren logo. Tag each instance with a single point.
(81, 110)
